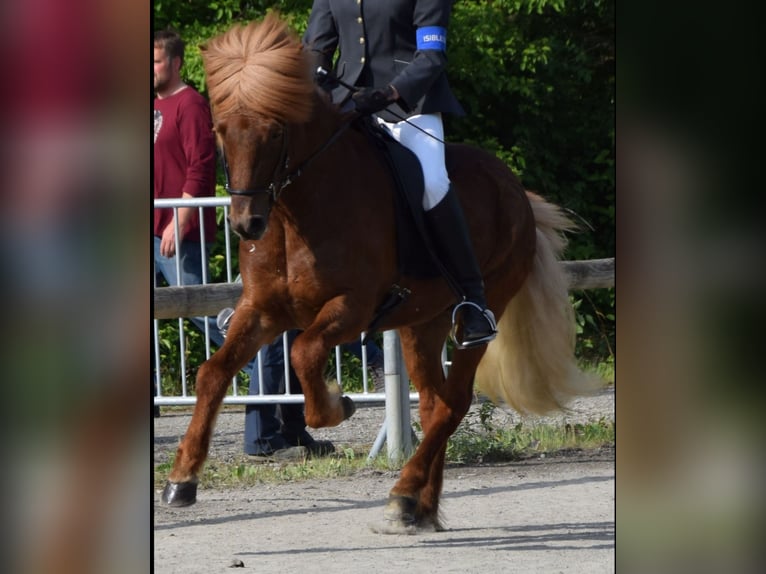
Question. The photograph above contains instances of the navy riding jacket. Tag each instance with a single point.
(382, 42)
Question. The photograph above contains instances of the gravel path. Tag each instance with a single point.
(552, 514)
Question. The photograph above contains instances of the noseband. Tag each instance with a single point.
(276, 185)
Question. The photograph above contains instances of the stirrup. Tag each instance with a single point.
(488, 315)
(223, 320)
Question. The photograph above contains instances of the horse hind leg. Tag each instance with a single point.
(413, 503)
(438, 425)
(430, 494)
(405, 514)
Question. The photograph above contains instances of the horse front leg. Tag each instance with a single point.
(324, 406)
(214, 375)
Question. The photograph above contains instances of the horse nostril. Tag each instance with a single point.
(247, 224)
(256, 227)
(251, 228)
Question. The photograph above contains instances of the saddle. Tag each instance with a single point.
(415, 252)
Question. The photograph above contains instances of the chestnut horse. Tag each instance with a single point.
(320, 255)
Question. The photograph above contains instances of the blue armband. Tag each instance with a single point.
(432, 38)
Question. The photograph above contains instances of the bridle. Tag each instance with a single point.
(282, 176)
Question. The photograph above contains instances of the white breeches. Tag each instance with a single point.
(428, 150)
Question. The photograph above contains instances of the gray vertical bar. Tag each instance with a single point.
(398, 437)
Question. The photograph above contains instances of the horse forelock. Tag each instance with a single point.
(259, 70)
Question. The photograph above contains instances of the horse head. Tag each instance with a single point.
(255, 162)
(259, 82)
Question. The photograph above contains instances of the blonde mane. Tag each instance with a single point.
(259, 69)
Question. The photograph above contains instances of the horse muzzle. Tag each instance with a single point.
(250, 228)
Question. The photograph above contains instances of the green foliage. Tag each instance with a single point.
(350, 372)
(541, 89)
(194, 354)
(198, 21)
(537, 78)
(537, 81)
(594, 313)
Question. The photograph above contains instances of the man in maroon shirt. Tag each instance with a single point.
(184, 166)
(184, 153)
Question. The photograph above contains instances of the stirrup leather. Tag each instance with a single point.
(488, 315)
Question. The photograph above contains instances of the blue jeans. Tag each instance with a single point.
(264, 431)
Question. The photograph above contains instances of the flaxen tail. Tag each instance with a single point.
(530, 365)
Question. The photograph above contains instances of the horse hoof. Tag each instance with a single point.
(179, 493)
(392, 527)
(349, 408)
(400, 509)
(398, 517)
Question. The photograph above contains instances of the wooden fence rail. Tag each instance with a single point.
(590, 273)
(199, 300)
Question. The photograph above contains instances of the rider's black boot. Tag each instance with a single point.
(449, 232)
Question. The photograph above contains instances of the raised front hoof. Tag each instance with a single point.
(179, 493)
(349, 408)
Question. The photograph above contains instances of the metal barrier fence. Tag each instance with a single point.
(234, 395)
(396, 430)
(590, 274)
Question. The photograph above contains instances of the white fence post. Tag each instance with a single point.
(398, 429)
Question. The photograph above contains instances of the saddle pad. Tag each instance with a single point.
(414, 249)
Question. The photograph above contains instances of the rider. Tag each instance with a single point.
(395, 53)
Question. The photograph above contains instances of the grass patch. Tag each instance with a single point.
(243, 472)
(477, 440)
(604, 369)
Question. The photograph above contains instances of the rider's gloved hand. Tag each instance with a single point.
(371, 100)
